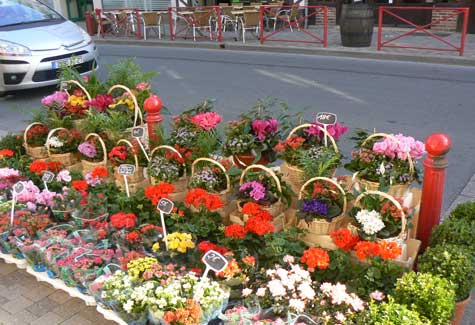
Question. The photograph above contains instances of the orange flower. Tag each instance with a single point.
(189, 315)
(249, 260)
(80, 186)
(157, 192)
(100, 172)
(316, 258)
(231, 270)
(235, 231)
(295, 142)
(198, 197)
(251, 208)
(258, 226)
(6, 153)
(344, 239)
(389, 250)
(365, 249)
(279, 147)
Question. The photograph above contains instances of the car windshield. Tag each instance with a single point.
(18, 12)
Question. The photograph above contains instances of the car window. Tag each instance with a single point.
(16, 12)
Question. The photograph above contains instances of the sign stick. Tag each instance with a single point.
(126, 182)
(143, 149)
(205, 273)
(162, 219)
(325, 127)
(13, 208)
(46, 186)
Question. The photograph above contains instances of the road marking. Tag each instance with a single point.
(326, 88)
(174, 74)
(280, 78)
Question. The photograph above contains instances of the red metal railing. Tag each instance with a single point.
(193, 22)
(119, 22)
(423, 28)
(291, 19)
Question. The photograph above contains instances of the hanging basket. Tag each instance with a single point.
(88, 166)
(138, 175)
(322, 227)
(66, 159)
(293, 174)
(34, 152)
(138, 117)
(78, 123)
(396, 190)
(401, 237)
(180, 185)
(274, 209)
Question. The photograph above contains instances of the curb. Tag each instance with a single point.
(232, 46)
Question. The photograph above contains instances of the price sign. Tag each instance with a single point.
(326, 118)
(215, 261)
(18, 188)
(126, 169)
(165, 206)
(47, 177)
(138, 132)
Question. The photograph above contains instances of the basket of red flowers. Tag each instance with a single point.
(34, 139)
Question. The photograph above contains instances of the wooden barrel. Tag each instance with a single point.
(356, 24)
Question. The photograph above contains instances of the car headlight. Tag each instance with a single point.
(13, 49)
(86, 38)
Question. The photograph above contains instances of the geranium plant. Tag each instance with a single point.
(36, 135)
(64, 141)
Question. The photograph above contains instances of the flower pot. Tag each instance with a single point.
(36, 152)
(244, 160)
(356, 24)
(459, 310)
(66, 159)
(88, 166)
(397, 190)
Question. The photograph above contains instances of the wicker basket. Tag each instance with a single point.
(225, 194)
(401, 237)
(66, 159)
(137, 176)
(397, 190)
(318, 228)
(294, 175)
(180, 185)
(274, 209)
(237, 217)
(33, 152)
(88, 166)
(79, 123)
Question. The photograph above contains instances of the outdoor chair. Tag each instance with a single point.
(227, 18)
(250, 21)
(202, 20)
(287, 16)
(153, 21)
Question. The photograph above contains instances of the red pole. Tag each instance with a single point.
(220, 28)
(153, 105)
(325, 26)
(380, 28)
(99, 18)
(437, 146)
(464, 30)
(170, 23)
(139, 29)
(261, 22)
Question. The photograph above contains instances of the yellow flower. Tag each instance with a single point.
(156, 247)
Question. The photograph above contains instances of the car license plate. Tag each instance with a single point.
(67, 62)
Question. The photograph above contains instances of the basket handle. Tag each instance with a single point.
(128, 143)
(25, 134)
(78, 84)
(268, 171)
(308, 125)
(168, 148)
(393, 138)
(103, 145)
(50, 134)
(329, 180)
(393, 201)
(214, 162)
(137, 111)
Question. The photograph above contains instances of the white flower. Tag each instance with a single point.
(340, 317)
(246, 292)
(289, 259)
(261, 292)
(370, 221)
(276, 288)
(128, 306)
(55, 142)
(306, 291)
(297, 304)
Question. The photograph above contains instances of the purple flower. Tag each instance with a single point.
(258, 191)
(87, 149)
(263, 127)
(336, 130)
(314, 207)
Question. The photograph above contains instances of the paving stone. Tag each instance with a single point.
(24, 317)
(90, 313)
(6, 318)
(77, 320)
(17, 305)
(39, 293)
(60, 297)
(49, 318)
(7, 268)
(42, 307)
(70, 308)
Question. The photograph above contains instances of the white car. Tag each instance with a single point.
(35, 41)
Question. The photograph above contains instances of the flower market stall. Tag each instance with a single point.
(259, 224)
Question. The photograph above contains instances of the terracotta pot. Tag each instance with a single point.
(246, 159)
(459, 310)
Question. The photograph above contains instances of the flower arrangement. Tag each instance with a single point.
(121, 155)
(90, 150)
(76, 105)
(211, 178)
(66, 141)
(36, 135)
(167, 168)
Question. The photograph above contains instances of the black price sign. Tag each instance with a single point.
(18, 188)
(165, 205)
(215, 261)
(126, 170)
(47, 177)
(326, 118)
(138, 132)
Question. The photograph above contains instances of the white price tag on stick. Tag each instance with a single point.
(126, 170)
(18, 188)
(326, 119)
(47, 178)
(165, 206)
(213, 261)
(138, 133)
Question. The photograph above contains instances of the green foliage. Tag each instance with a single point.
(279, 244)
(451, 262)
(454, 231)
(204, 225)
(93, 86)
(339, 270)
(128, 73)
(322, 165)
(13, 142)
(389, 313)
(110, 126)
(429, 295)
(464, 211)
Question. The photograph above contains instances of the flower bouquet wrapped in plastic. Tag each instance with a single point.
(34, 254)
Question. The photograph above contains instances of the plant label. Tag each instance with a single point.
(326, 118)
(215, 261)
(138, 132)
(18, 188)
(126, 169)
(47, 177)
(165, 206)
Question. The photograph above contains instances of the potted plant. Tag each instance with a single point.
(126, 152)
(62, 144)
(429, 295)
(454, 231)
(34, 140)
(464, 211)
(387, 164)
(389, 312)
(356, 23)
(456, 264)
(93, 153)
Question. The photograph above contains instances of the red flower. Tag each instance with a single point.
(146, 228)
(6, 153)
(279, 147)
(100, 172)
(123, 220)
(80, 186)
(259, 226)
(198, 197)
(235, 231)
(54, 166)
(389, 250)
(344, 239)
(118, 154)
(316, 258)
(157, 192)
(295, 142)
(206, 246)
(365, 249)
(38, 167)
(251, 208)
(196, 270)
(133, 237)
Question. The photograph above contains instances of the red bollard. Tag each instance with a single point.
(153, 105)
(437, 146)
(90, 24)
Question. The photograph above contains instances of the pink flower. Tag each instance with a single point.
(207, 121)
(46, 198)
(262, 128)
(336, 130)
(377, 295)
(58, 98)
(64, 176)
(29, 193)
(141, 86)
(289, 259)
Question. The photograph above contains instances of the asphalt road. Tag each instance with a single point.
(413, 98)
